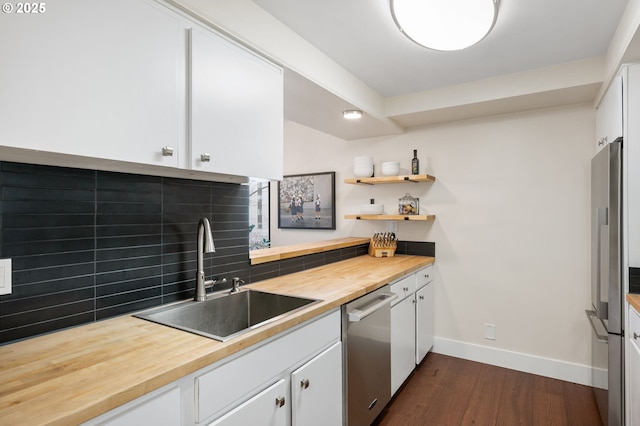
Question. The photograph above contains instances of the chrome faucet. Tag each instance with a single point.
(204, 245)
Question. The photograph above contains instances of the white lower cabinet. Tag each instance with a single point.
(268, 408)
(424, 321)
(411, 324)
(634, 367)
(316, 390)
(403, 344)
(232, 382)
(253, 387)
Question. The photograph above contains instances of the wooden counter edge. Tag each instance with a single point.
(207, 355)
(273, 254)
(634, 301)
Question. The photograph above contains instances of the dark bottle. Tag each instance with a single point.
(415, 163)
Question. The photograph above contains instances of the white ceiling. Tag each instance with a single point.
(343, 54)
(361, 36)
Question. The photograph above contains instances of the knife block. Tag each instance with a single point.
(378, 249)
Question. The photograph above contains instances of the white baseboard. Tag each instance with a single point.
(547, 367)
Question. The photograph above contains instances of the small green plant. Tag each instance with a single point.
(256, 241)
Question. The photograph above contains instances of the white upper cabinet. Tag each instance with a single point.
(95, 78)
(136, 82)
(236, 110)
(609, 117)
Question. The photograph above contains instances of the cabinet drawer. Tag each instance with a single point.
(229, 383)
(424, 276)
(160, 408)
(404, 287)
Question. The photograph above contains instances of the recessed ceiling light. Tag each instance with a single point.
(352, 114)
(445, 24)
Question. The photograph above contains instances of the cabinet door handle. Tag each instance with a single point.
(406, 289)
(280, 401)
(421, 297)
(304, 383)
(205, 157)
(636, 336)
(167, 151)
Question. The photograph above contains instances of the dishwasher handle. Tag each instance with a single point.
(360, 314)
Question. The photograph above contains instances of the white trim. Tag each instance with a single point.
(556, 369)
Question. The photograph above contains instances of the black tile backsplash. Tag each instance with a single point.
(634, 280)
(88, 245)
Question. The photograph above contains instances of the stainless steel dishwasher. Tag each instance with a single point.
(366, 338)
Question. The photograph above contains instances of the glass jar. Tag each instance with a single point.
(408, 205)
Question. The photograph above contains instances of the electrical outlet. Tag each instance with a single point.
(5, 276)
(392, 226)
(490, 331)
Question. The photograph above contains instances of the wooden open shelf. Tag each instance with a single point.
(391, 179)
(422, 217)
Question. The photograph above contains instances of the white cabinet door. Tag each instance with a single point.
(403, 341)
(268, 408)
(95, 78)
(424, 321)
(316, 390)
(609, 116)
(634, 367)
(236, 109)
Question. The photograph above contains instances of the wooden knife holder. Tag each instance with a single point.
(378, 249)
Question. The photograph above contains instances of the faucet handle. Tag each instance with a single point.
(211, 283)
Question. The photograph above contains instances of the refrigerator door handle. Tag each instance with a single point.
(591, 315)
(602, 219)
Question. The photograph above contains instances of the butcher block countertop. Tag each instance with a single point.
(74, 375)
(634, 300)
(272, 254)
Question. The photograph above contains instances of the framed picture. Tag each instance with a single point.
(307, 201)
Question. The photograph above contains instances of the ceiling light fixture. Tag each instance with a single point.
(445, 24)
(352, 114)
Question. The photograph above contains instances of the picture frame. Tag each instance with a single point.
(307, 201)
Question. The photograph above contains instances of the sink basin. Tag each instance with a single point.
(227, 315)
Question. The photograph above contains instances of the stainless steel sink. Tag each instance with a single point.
(227, 315)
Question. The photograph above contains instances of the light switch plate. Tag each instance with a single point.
(5, 276)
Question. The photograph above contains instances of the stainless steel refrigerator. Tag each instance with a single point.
(607, 289)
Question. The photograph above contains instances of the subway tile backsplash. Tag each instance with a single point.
(88, 245)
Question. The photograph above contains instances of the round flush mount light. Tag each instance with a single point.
(352, 114)
(445, 24)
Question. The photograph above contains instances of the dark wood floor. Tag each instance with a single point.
(450, 391)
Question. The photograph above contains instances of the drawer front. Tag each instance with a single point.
(228, 384)
(404, 287)
(163, 409)
(424, 276)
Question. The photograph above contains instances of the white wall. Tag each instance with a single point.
(512, 233)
